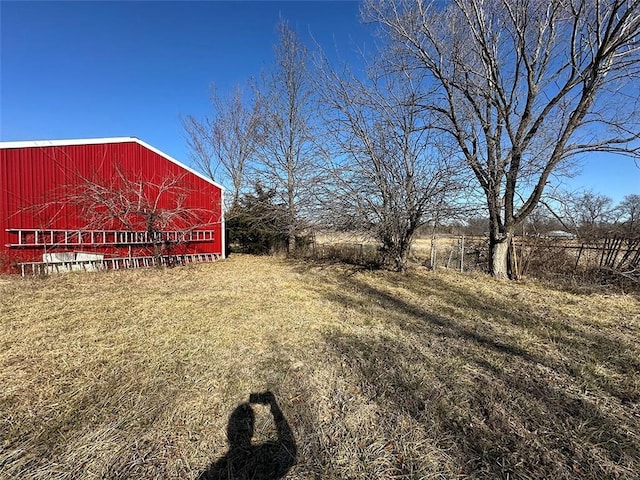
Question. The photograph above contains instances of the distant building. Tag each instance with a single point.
(561, 234)
(43, 217)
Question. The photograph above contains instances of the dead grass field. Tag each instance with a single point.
(133, 374)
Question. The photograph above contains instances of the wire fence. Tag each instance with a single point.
(463, 253)
(442, 251)
(535, 255)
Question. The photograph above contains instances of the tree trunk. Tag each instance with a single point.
(291, 202)
(401, 265)
(400, 260)
(291, 240)
(395, 255)
(499, 256)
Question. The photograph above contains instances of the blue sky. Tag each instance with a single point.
(108, 69)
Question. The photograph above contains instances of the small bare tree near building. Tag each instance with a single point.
(133, 203)
(522, 87)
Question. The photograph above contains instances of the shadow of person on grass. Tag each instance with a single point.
(267, 461)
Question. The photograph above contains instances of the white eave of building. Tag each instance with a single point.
(98, 141)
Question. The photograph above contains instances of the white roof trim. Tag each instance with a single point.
(60, 143)
(97, 141)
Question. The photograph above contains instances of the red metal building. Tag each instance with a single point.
(107, 198)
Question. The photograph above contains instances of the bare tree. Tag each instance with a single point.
(587, 214)
(288, 151)
(390, 177)
(593, 214)
(136, 204)
(524, 86)
(222, 146)
(628, 232)
(628, 211)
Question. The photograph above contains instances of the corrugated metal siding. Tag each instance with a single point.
(34, 177)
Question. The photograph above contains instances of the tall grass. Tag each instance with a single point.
(134, 374)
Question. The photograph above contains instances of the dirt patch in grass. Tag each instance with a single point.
(134, 374)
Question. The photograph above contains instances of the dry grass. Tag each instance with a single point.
(133, 374)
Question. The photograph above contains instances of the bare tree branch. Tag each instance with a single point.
(223, 146)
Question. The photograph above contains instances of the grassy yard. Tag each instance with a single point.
(134, 374)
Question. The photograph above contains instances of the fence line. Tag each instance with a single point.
(533, 255)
